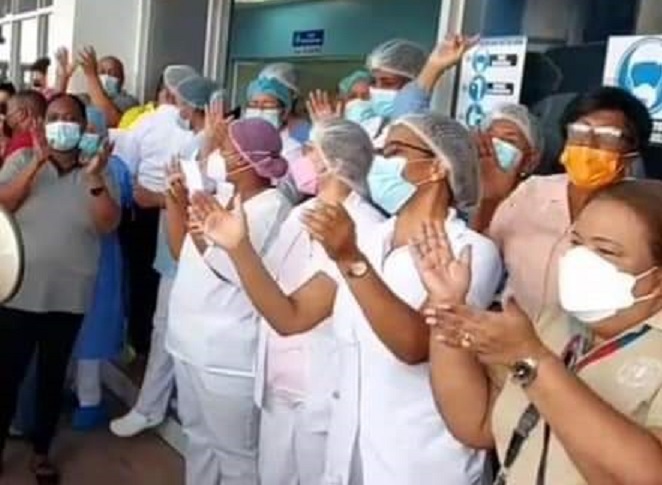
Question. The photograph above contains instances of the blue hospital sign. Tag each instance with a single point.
(634, 63)
(308, 41)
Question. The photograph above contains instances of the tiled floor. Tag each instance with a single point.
(98, 458)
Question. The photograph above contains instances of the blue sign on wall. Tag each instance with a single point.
(306, 41)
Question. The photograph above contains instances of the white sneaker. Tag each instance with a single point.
(132, 424)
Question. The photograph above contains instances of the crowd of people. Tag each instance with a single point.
(369, 294)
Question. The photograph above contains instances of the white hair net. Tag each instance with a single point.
(347, 150)
(453, 145)
(174, 75)
(398, 56)
(521, 117)
(283, 72)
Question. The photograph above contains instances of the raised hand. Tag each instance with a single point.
(65, 67)
(497, 338)
(450, 52)
(217, 125)
(39, 143)
(332, 227)
(226, 228)
(496, 183)
(321, 107)
(176, 183)
(98, 163)
(445, 277)
(87, 58)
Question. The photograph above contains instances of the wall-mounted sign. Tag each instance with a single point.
(634, 63)
(491, 74)
(308, 41)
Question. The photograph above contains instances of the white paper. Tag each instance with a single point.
(192, 175)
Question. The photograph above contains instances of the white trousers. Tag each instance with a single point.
(159, 379)
(290, 454)
(88, 382)
(221, 431)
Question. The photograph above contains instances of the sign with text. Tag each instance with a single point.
(308, 41)
(491, 74)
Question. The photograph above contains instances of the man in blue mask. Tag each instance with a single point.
(105, 84)
(287, 74)
(354, 90)
(391, 65)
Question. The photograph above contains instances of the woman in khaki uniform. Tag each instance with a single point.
(583, 403)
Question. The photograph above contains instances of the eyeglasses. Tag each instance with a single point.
(608, 137)
(396, 146)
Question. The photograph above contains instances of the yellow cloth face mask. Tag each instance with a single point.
(592, 168)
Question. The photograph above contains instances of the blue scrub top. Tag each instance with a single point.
(102, 333)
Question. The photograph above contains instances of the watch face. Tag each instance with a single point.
(524, 372)
(358, 269)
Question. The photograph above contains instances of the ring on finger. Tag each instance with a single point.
(467, 340)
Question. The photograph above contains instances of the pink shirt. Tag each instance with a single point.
(531, 229)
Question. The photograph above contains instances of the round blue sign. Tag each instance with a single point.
(477, 88)
(480, 60)
(474, 116)
(640, 72)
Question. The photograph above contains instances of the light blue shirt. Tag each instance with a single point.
(164, 263)
(412, 99)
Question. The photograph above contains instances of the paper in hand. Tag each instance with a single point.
(193, 176)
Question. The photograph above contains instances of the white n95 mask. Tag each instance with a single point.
(592, 289)
(217, 169)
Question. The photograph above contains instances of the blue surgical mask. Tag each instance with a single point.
(183, 123)
(63, 136)
(359, 110)
(110, 84)
(271, 116)
(507, 154)
(383, 101)
(89, 144)
(388, 187)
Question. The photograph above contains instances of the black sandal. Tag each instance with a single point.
(45, 472)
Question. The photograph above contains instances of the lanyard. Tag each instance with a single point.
(572, 353)
(611, 347)
(530, 419)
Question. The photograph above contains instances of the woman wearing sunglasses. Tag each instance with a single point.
(606, 130)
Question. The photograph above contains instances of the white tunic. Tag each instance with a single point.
(149, 147)
(212, 324)
(292, 261)
(388, 404)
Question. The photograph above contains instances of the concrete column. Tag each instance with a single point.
(451, 20)
(111, 27)
(216, 43)
(146, 35)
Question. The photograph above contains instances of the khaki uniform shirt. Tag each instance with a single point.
(630, 380)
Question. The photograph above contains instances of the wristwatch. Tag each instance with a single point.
(97, 191)
(525, 371)
(357, 269)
